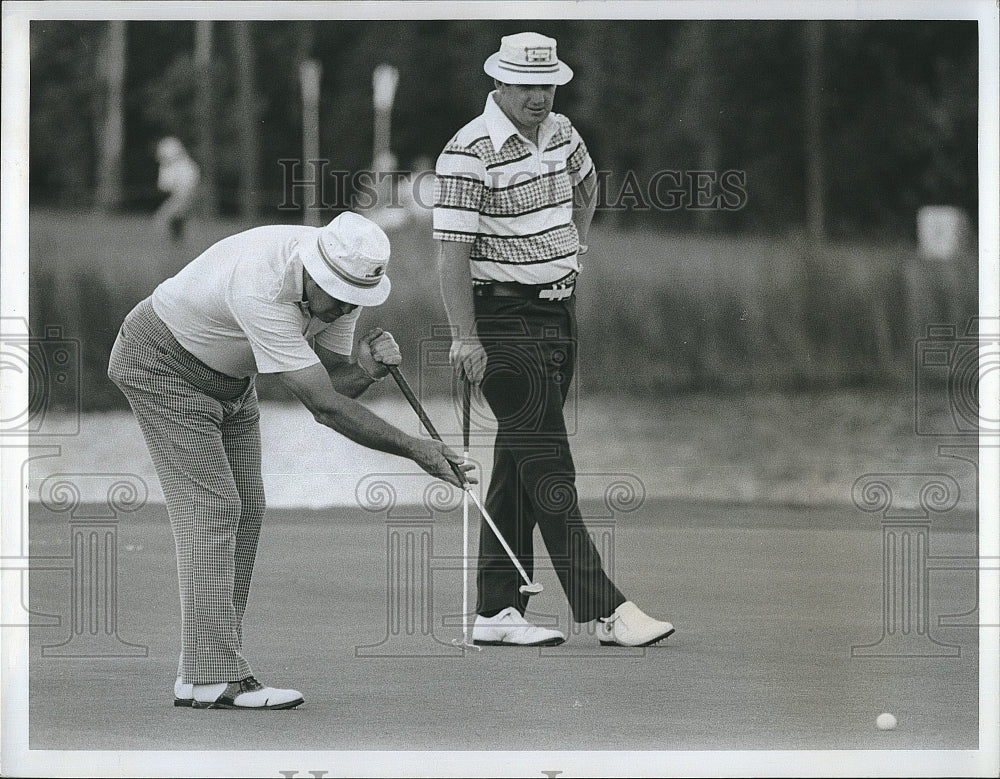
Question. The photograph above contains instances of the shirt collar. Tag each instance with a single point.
(293, 291)
(501, 128)
(289, 286)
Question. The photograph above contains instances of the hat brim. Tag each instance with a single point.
(336, 287)
(507, 75)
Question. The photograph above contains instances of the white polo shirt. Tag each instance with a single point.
(238, 308)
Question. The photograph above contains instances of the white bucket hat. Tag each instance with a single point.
(527, 58)
(349, 259)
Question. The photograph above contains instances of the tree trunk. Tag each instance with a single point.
(204, 99)
(704, 114)
(815, 228)
(108, 195)
(247, 116)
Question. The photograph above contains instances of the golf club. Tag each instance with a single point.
(529, 587)
(466, 400)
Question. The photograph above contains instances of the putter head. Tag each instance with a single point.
(531, 589)
(461, 643)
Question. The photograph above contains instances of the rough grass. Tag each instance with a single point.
(658, 312)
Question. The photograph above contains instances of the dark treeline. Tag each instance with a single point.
(894, 110)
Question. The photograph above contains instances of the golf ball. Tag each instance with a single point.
(885, 721)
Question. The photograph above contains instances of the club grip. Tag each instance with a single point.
(466, 420)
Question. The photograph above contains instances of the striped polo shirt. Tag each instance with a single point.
(511, 200)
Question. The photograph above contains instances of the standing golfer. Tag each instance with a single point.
(282, 300)
(513, 205)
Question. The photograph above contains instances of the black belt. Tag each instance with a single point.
(509, 289)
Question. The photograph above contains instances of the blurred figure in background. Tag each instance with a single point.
(179, 177)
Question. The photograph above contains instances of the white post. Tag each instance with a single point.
(384, 81)
(309, 75)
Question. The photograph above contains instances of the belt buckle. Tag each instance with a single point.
(560, 293)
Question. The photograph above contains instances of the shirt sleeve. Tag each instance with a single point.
(458, 194)
(578, 164)
(274, 331)
(338, 336)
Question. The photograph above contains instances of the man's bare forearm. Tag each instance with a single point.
(349, 418)
(338, 411)
(456, 286)
(362, 426)
(348, 379)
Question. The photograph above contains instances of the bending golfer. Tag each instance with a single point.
(277, 299)
(510, 242)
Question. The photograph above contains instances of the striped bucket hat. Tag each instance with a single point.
(527, 58)
(348, 260)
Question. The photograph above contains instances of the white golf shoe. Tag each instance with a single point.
(183, 693)
(509, 628)
(628, 625)
(245, 694)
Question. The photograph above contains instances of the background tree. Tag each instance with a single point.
(898, 121)
(111, 116)
(205, 107)
(813, 105)
(247, 113)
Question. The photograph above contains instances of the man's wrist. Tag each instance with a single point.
(371, 376)
(583, 249)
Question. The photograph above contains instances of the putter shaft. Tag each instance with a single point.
(500, 538)
(414, 402)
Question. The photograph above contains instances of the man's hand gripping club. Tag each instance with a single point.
(377, 351)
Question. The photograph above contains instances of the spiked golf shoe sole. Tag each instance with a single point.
(546, 642)
(245, 695)
(223, 705)
(651, 642)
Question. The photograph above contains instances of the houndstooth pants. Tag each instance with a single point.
(202, 430)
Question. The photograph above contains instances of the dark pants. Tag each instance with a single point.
(531, 354)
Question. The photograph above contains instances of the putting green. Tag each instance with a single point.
(767, 602)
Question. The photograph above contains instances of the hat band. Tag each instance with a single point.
(357, 281)
(526, 67)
